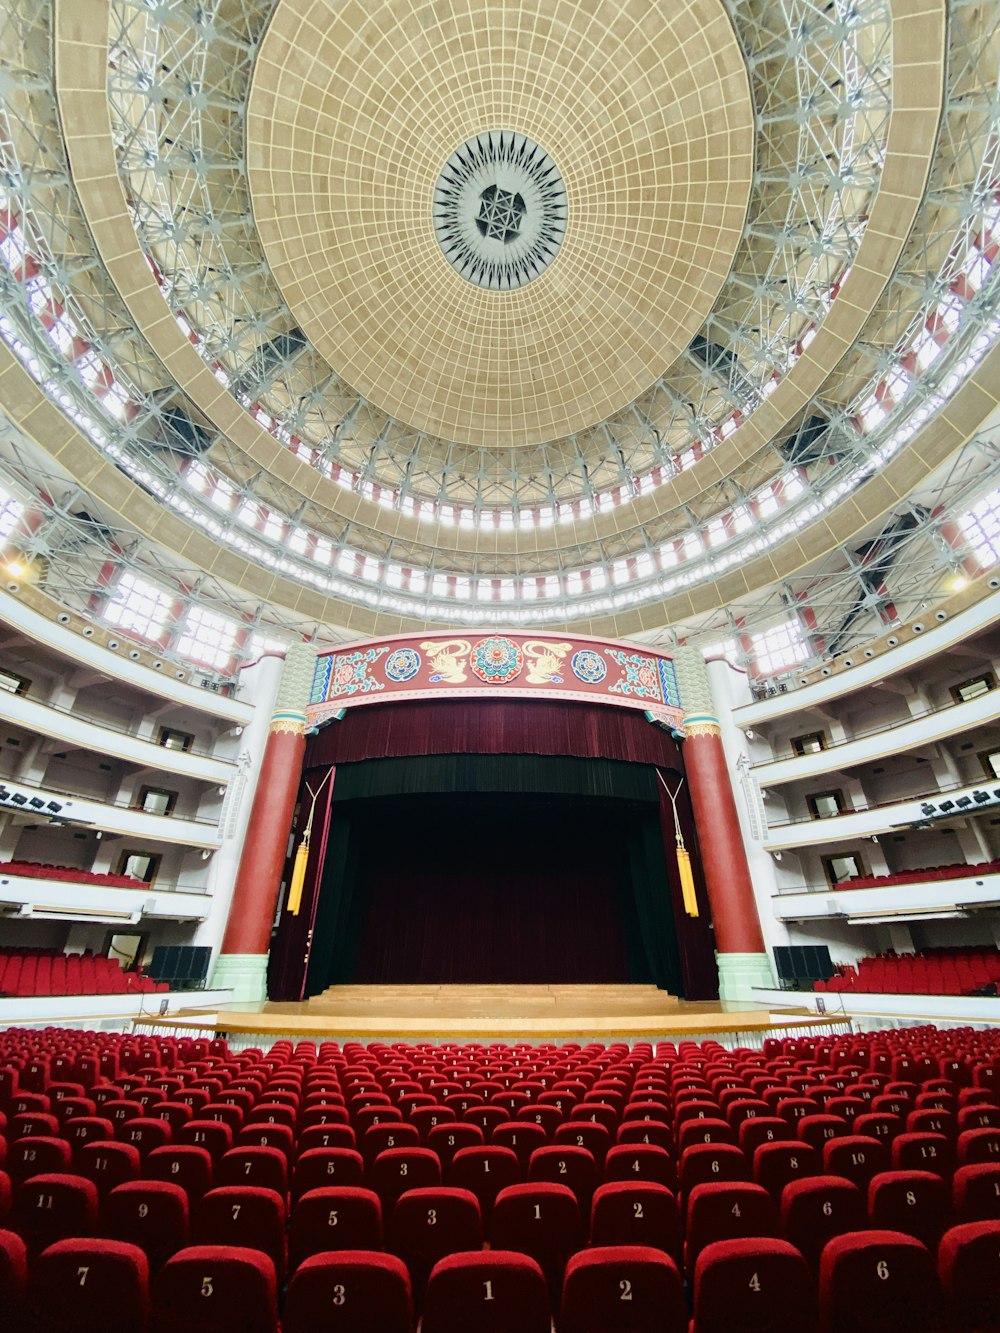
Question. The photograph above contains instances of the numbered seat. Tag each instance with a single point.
(267, 1136)
(54, 1206)
(182, 1164)
(108, 1164)
(976, 1192)
(86, 1129)
(914, 1202)
(584, 1134)
(622, 1289)
(400, 1169)
(334, 1218)
(522, 1137)
(878, 1282)
(446, 1140)
(428, 1224)
(215, 1289)
(149, 1213)
(762, 1129)
(351, 1291)
(856, 1158)
(727, 1211)
(265, 1167)
(145, 1134)
(978, 1145)
(31, 1156)
(33, 1124)
(242, 1216)
(817, 1130)
(542, 1220)
(321, 1167)
(492, 1292)
(703, 1131)
(90, 1286)
(923, 1152)
(662, 1136)
(485, 1171)
(636, 1213)
(878, 1125)
(967, 1262)
(640, 1161)
(753, 1286)
(326, 1136)
(978, 1117)
(569, 1166)
(708, 1162)
(212, 1135)
(816, 1209)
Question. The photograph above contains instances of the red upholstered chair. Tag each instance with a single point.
(856, 1158)
(148, 1213)
(400, 1169)
(445, 1140)
(753, 1286)
(108, 1164)
(763, 1129)
(393, 1134)
(702, 1131)
(264, 1167)
(334, 1218)
(90, 1286)
(640, 1161)
(540, 1219)
(31, 1156)
(243, 1216)
(775, 1164)
(485, 1171)
(662, 1136)
(13, 1280)
(914, 1202)
(216, 1289)
(318, 1168)
(522, 1137)
(428, 1224)
(641, 1213)
(878, 1282)
(492, 1292)
(711, 1162)
(52, 1207)
(967, 1259)
(622, 1289)
(212, 1135)
(730, 1210)
(978, 1145)
(87, 1129)
(184, 1165)
(976, 1192)
(351, 1291)
(816, 1130)
(923, 1152)
(570, 1166)
(818, 1208)
(326, 1136)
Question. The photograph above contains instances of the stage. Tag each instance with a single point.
(495, 1013)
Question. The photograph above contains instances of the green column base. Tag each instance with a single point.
(740, 972)
(245, 974)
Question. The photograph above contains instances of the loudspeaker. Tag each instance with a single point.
(804, 963)
(181, 966)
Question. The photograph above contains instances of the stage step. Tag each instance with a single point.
(494, 1001)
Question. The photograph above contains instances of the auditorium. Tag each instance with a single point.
(499, 666)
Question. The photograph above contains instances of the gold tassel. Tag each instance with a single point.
(687, 880)
(298, 877)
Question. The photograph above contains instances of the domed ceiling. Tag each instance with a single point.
(650, 318)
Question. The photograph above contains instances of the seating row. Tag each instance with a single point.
(70, 974)
(935, 972)
(957, 870)
(42, 870)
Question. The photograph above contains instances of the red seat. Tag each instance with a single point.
(923, 1152)
(150, 1214)
(818, 1208)
(145, 1134)
(108, 1164)
(622, 1289)
(976, 1192)
(878, 1282)
(753, 1286)
(183, 1165)
(428, 1224)
(400, 1169)
(87, 1129)
(334, 1218)
(640, 1161)
(216, 1289)
(915, 1202)
(775, 1164)
(321, 1167)
(817, 1130)
(763, 1129)
(978, 1145)
(326, 1136)
(493, 1292)
(392, 1134)
(856, 1158)
(573, 1167)
(967, 1261)
(446, 1140)
(52, 1207)
(13, 1279)
(264, 1167)
(243, 1216)
(661, 1136)
(584, 1134)
(540, 1219)
(703, 1131)
(711, 1162)
(522, 1137)
(730, 1210)
(351, 1291)
(90, 1286)
(31, 1156)
(212, 1135)
(640, 1213)
(485, 1171)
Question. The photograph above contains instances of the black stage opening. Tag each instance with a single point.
(491, 887)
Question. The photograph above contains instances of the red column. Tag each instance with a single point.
(258, 880)
(723, 857)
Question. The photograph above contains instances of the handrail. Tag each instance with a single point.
(885, 805)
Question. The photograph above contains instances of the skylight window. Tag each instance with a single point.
(10, 513)
(981, 526)
(208, 639)
(142, 608)
(778, 648)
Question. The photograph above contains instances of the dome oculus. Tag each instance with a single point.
(500, 210)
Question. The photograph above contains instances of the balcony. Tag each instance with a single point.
(48, 804)
(940, 898)
(40, 898)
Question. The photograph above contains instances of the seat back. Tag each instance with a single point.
(641, 1213)
(264, 1167)
(341, 1217)
(352, 1291)
(90, 1286)
(976, 1192)
(914, 1202)
(149, 1213)
(622, 1287)
(485, 1171)
(243, 1216)
(816, 1209)
(967, 1259)
(319, 1168)
(878, 1282)
(428, 1224)
(753, 1286)
(539, 1219)
(53, 1206)
(491, 1292)
(215, 1289)
(184, 1165)
(727, 1211)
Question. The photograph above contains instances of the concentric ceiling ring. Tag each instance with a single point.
(353, 111)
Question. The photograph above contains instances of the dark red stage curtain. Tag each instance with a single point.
(493, 726)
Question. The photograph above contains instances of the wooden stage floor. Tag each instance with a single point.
(534, 1013)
